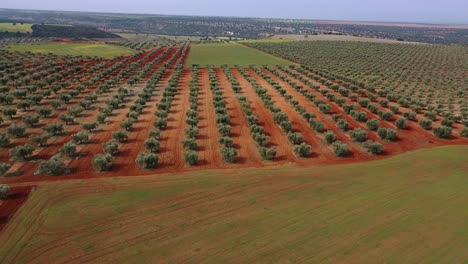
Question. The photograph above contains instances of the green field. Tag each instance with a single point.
(231, 54)
(77, 49)
(23, 28)
(406, 209)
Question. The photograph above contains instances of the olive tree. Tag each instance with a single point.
(69, 150)
(4, 191)
(53, 167)
(102, 162)
(303, 150)
(191, 157)
(22, 152)
(111, 147)
(147, 161)
(40, 140)
(443, 132)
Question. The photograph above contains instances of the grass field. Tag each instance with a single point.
(231, 54)
(23, 28)
(78, 49)
(406, 209)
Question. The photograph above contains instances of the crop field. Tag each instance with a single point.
(230, 54)
(325, 37)
(404, 209)
(76, 49)
(17, 27)
(146, 113)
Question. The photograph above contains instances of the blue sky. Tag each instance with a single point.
(425, 11)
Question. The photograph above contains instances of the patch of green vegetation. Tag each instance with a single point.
(404, 209)
(77, 49)
(265, 40)
(16, 27)
(231, 54)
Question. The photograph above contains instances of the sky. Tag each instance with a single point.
(423, 11)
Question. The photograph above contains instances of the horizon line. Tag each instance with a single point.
(277, 18)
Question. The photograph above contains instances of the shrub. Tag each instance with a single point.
(191, 157)
(295, 138)
(90, 127)
(261, 139)
(425, 123)
(53, 167)
(155, 134)
(373, 147)
(16, 130)
(102, 162)
(348, 108)
(342, 124)
(4, 191)
(67, 119)
(383, 102)
(69, 150)
(147, 161)
(464, 132)
(359, 116)
(190, 143)
(286, 126)
(324, 108)
(31, 120)
(120, 136)
(358, 135)
(387, 134)
(443, 132)
(330, 137)
(340, 149)
(394, 109)
(373, 108)
(447, 122)
(160, 123)
(10, 112)
(127, 124)
(75, 111)
(192, 132)
(101, 118)
(386, 115)
(4, 167)
(267, 153)
(111, 147)
(152, 144)
(54, 129)
(45, 112)
(431, 115)
(400, 123)
(303, 150)
(224, 130)
(280, 117)
(410, 115)
(40, 140)
(373, 124)
(4, 140)
(318, 126)
(80, 138)
(228, 154)
(226, 141)
(22, 153)
(363, 102)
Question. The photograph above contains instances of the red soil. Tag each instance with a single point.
(8, 208)
(245, 145)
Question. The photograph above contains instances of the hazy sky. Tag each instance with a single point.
(427, 11)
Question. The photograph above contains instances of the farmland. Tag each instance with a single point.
(146, 113)
(76, 49)
(269, 147)
(231, 54)
(369, 212)
(15, 27)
